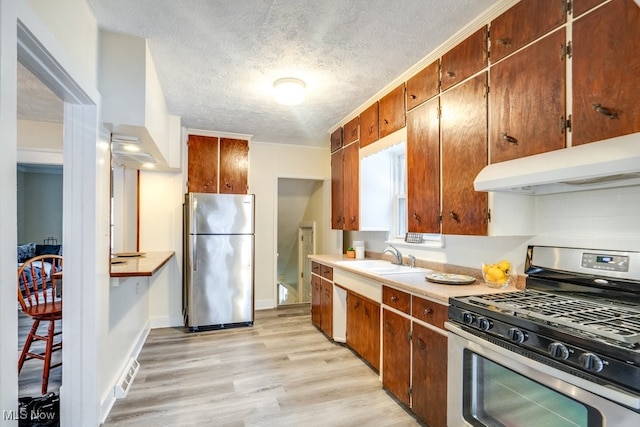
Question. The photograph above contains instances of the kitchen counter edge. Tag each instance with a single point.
(146, 265)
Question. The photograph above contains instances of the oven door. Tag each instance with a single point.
(489, 385)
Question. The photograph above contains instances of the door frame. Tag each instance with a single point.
(302, 256)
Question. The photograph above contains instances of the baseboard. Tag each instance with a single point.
(109, 398)
(167, 322)
(265, 304)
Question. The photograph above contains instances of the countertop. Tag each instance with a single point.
(415, 282)
(145, 265)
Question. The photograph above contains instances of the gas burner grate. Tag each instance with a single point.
(608, 321)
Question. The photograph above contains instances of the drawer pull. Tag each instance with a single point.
(451, 74)
(394, 298)
(605, 111)
(412, 96)
(427, 311)
(504, 41)
(509, 138)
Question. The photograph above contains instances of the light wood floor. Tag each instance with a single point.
(280, 372)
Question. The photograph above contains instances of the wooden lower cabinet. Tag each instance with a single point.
(326, 308)
(322, 299)
(429, 375)
(316, 299)
(363, 328)
(396, 355)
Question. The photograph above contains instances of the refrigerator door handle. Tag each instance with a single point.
(194, 257)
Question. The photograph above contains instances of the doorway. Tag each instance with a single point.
(300, 207)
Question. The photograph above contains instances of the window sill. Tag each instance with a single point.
(429, 242)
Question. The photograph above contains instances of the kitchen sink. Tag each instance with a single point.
(381, 267)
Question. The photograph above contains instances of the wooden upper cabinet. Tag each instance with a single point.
(581, 6)
(464, 154)
(423, 168)
(523, 23)
(202, 174)
(336, 139)
(351, 131)
(392, 111)
(234, 161)
(369, 125)
(468, 57)
(424, 85)
(527, 101)
(351, 193)
(606, 73)
(337, 190)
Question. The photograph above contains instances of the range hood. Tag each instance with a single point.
(609, 163)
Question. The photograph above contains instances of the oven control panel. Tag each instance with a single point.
(607, 262)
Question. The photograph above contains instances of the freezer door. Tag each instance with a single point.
(220, 280)
(220, 213)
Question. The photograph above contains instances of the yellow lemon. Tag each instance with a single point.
(504, 265)
(494, 274)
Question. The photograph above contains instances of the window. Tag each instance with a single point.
(399, 194)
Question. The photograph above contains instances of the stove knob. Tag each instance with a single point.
(516, 335)
(558, 351)
(484, 323)
(468, 318)
(591, 362)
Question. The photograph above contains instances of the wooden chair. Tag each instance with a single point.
(37, 297)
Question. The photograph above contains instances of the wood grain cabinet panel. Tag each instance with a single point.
(424, 85)
(523, 23)
(351, 131)
(429, 311)
(351, 179)
(396, 299)
(392, 111)
(363, 328)
(606, 73)
(527, 101)
(336, 139)
(337, 190)
(464, 154)
(369, 125)
(581, 6)
(234, 162)
(429, 376)
(396, 355)
(423, 168)
(316, 300)
(202, 163)
(465, 59)
(326, 308)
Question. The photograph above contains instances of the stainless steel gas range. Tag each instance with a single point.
(563, 352)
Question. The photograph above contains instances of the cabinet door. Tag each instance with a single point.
(369, 125)
(351, 131)
(429, 376)
(464, 154)
(606, 73)
(523, 23)
(316, 300)
(370, 345)
(396, 355)
(423, 168)
(423, 85)
(581, 6)
(234, 161)
(337, 190)
(336, 139)
(462, 61)
(326, 308)
(527, 101)
(202, 164)
(355, 308)
(351, 178)
(392, 111)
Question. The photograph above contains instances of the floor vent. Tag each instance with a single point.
(126, 379)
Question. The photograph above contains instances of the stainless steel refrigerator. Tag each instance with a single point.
(219, 251)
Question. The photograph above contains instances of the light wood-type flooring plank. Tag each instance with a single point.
(280, 372)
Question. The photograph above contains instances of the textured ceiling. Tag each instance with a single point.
(217, 59)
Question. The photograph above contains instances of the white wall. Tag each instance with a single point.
(39, 206)
(267, 163)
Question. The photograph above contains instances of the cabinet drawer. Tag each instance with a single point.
(351, 131)
(465, 59)
(428, 311)
(396, 299)
(336, 140)
(326, 272)
(315, 267)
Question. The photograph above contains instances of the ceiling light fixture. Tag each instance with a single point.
(289, 91)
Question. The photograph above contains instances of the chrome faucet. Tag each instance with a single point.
(395, 252)
(412, 261)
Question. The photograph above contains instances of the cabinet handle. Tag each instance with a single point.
(417, 218)
(394, 298)
(228, 185)
(605, 111)
(422, 345)
(427, 311)
(389, 328)
(354, 132)
(510, 139)
(353, 219)
(451, 73)
(504, 41)
(386, 122)
(339, 220)
(412, 96)
(357, 304)
(454, 216)
(371, 130)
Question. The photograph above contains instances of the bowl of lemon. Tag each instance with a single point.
(497, 275)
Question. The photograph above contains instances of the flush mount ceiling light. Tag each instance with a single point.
(289, 91)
